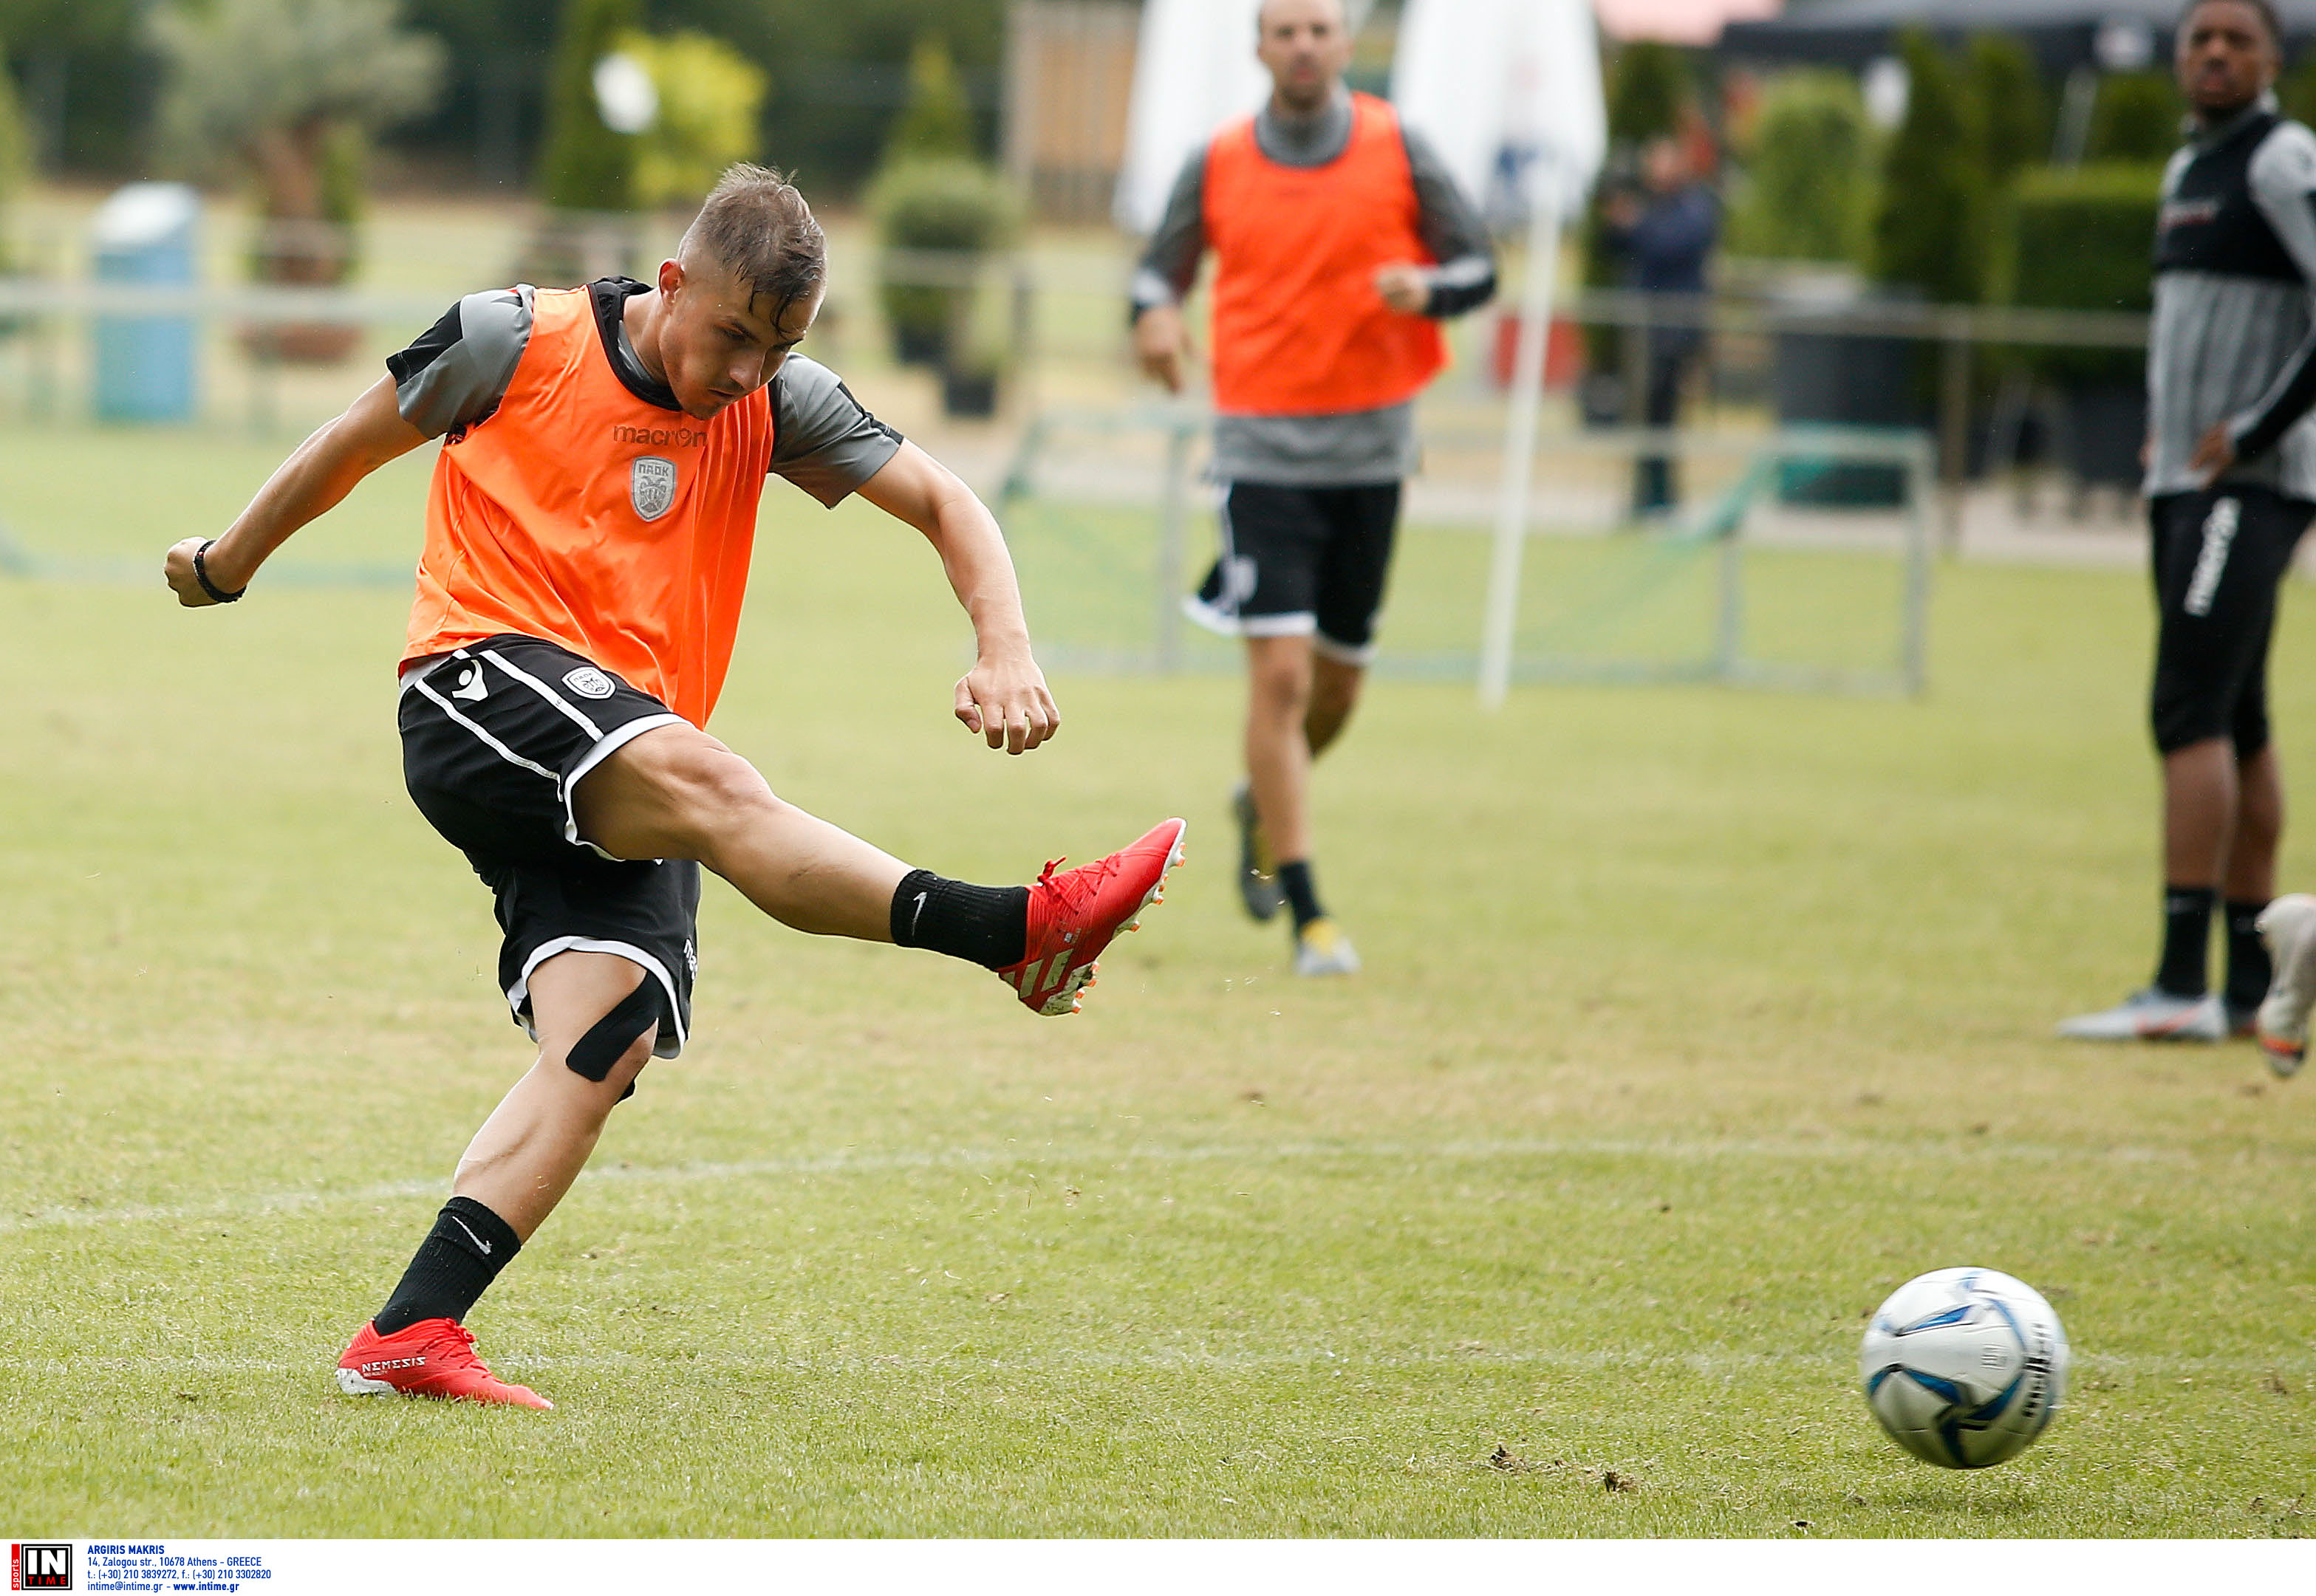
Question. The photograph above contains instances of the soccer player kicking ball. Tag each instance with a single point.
(587, 541)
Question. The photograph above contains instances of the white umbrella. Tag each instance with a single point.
(1509, 92)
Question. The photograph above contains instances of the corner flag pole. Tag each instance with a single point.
(1520, 423)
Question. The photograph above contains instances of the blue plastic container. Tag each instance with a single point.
(147, 233)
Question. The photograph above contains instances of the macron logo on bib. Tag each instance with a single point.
(651, 486)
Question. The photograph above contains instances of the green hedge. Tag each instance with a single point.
(587, 166)
(2082, 239)
(1808, 171)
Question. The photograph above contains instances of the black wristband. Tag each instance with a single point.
(202, 574)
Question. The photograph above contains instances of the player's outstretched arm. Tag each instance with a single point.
(1004, 697)
(324, 470)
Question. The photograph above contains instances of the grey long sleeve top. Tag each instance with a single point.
(2232, 338)
(1364, 446)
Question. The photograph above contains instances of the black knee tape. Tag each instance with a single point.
(609, 1038)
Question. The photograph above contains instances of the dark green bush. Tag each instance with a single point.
(2135, 118)
(2009, 105)
(1927, 233)
(945, 205)
(1807, 172)
(587, 166)
(937, 121)
(2083, 241)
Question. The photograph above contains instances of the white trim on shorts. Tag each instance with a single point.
(609, 743)
(493, 743)
(605, 745)
(546, 692)
(1344, 653)
(1301, 622)
(519, 994)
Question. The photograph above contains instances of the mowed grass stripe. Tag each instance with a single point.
(1936, 1150)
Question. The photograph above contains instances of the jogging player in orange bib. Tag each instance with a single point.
(587, 543)
(1339, 240)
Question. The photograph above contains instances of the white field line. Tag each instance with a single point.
(258, 1204)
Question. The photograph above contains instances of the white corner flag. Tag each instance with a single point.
(1194, 70)
(1509, 92)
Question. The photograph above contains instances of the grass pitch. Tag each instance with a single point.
(1694, 1021)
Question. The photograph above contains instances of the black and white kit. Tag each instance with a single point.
(1301, 561)
(495, 737)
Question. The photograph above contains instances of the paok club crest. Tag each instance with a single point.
(651, 486)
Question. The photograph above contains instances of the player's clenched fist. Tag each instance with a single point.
(183, 580)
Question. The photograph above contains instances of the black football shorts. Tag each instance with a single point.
(494, 736)
(1301, 561)
(2218, 556)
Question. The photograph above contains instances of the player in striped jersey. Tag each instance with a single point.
(2231, 485)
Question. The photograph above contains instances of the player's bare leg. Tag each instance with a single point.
(675, 792)
(2199, 812)
(1278, 746)
(1297, 702)
(1335, 686)
(533, 1146)
(514, 1173)
(2223, 822)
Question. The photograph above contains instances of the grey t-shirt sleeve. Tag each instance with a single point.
(1450, 227)
(457, 370)
(1169, 264)
(826, 442)
(2281, 177)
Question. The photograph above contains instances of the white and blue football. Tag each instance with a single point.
(1963, 1367)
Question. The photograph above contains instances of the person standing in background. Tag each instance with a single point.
(1666, 235)
(2231, 485)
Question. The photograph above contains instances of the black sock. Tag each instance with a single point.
(2249, 968)
(1302, 897)
(2187, 938)
(987, 925)
(455, 1265)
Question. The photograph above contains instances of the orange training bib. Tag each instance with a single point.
(1299, 327)
(581, 514)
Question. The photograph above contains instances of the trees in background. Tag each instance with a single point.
(586, 165)
(1808, 168)
(835, 76)
(2135, 118)
(287, 93)
(15, 159)
(1925, 221)
(710, 98)
(933, 198)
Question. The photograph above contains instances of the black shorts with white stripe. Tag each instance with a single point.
(2218, 555)
(494, 736)
(1301, 561)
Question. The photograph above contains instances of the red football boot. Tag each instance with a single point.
(1073, 916)
(431, 1357)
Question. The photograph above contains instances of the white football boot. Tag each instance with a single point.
(2289, 927)
(2152, 1016)
(1322, 949)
